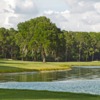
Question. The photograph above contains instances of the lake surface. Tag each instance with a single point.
(79, 79)
(91, 72)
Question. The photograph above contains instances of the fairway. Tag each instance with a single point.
(43, 95)
(23, 66)
(28, 66)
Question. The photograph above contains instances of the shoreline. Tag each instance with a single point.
(12, 66)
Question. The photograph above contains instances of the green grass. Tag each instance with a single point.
(22, 66)
(43, 95)
(92, 63)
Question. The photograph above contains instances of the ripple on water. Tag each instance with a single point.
(93, 67)
(77, 86)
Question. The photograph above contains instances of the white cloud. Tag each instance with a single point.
(25, 7)
(82, 15)
(14, 11)
(75, 15)
(97, 7)
(58, 17)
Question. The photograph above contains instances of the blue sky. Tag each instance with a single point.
(71, 15)
(56, 5)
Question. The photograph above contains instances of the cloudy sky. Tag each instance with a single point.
(71, 15)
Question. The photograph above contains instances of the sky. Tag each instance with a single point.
(70, 15)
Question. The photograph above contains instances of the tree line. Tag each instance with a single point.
(39, 39)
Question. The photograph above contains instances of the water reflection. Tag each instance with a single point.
(33, 77)
(86, 72)
(75, 73)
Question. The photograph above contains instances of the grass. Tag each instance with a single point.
(6, 94)
(92, 63)
(22, 66)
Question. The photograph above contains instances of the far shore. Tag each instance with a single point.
(11, 66)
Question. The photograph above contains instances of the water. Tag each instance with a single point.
(77, 86)
(33, 76)
(79, 79)
(91, 72)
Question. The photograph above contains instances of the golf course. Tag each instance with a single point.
(12, 66)
(50, 50)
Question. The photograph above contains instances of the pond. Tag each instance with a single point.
(91, 72)
(79, 79)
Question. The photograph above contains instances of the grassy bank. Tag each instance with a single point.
(22, 66)
(43, 95)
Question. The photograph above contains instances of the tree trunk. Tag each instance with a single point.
(93, 57)
(35, 56)
(66, 56)
(5, 55)
(79, 54)
(11, 53)
(44, 59)
(22, 58)
(43, 55)
(87, 56)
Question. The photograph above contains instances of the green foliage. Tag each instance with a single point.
(82, 46)
(39, 36)
(8, 47)
(39, 39)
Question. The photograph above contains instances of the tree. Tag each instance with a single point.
(4, 42)
(40, 35)
(46, 37)
(94, 42)
(13, 48)
(39, 39)
(70, 41)
(23, 38)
